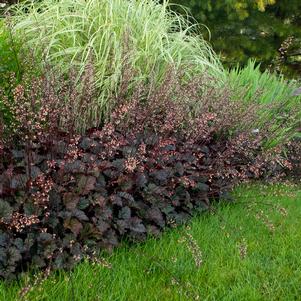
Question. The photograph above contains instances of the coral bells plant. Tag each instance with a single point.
(293, 154)
(160, 157)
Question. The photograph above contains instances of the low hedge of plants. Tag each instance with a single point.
(157, 160)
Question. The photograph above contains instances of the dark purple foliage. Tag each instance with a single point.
(155, 163)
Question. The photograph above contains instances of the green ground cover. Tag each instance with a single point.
(243, 254)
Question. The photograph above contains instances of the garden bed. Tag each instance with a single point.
(123, 142)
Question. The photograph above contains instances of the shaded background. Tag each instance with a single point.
(251, 29)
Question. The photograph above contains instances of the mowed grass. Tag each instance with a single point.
(165, 269)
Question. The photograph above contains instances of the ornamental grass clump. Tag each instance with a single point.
(147, 34)
(281, 110)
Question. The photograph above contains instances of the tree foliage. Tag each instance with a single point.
(240, 29)
(233, 8)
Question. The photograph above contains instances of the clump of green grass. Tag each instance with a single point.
(282, 108)
(144, 35)
(268, 86)
(249, 250)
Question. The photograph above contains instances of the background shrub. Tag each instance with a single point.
(15, 61)
(10, 65)
(10, 48)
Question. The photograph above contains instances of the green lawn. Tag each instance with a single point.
(165, 268)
